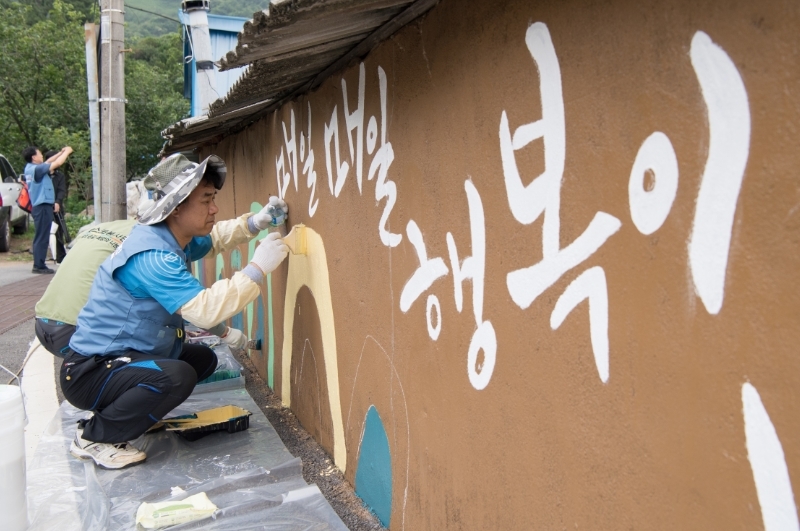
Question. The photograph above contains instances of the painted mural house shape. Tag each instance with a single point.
(550, 254)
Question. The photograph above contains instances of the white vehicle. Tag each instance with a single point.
(11, 215)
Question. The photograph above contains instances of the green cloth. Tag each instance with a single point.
(69, 290)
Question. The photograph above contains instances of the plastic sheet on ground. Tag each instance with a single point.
(250, 476)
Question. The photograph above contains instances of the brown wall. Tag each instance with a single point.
(547, 444)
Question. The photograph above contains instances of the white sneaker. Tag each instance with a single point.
(106, 455)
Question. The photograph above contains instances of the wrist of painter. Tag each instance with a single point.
(254, 273)
(235, 338)
(218, 330)
(251, 225)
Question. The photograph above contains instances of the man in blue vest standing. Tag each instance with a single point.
(43, 197)
(127, 361)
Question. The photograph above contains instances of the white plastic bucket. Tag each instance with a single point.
(13, 501)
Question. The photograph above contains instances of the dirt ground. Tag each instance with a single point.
(20, 247)
(318, 467)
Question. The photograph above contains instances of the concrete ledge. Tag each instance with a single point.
(39, 389)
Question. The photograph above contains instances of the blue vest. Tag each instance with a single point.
(113, 321)
(41, 192)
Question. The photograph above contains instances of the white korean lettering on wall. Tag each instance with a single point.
(729, 145)
(543, 195)
(286, 163)
(729, 129)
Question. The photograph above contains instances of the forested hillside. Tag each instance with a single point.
(141, 23)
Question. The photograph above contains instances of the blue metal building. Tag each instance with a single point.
(223, 31)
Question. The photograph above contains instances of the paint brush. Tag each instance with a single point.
(296, 239)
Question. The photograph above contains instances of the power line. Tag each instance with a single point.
(153, 13)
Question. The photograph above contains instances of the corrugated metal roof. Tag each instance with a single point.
(291, 48)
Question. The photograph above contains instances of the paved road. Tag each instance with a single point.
(13, 348)
(18, 300)
(14, 342)
(19, 291)
(11, 272)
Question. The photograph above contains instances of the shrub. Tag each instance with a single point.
(74, 223)
(74, 204)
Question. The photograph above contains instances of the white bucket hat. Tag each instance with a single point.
(171, 181)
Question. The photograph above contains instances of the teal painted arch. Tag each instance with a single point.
(219, 268)
(374, 472)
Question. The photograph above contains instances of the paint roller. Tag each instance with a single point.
(296, 239)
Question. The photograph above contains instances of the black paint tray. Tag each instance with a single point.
(197, 425)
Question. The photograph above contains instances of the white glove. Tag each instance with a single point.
(235, 338)
(270, 253)
(263, 218)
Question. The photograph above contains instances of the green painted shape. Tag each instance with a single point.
(251, 248)
(270, 331)
(255, 207)
(237, 321)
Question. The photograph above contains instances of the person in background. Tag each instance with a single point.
(127, 361)
(60, 187)
(57, 311)
(43, 197)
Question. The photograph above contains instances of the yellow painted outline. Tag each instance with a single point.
(311, 270)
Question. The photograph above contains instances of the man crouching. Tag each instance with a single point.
(128, 362)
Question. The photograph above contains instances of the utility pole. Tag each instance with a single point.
(90, 36)
(112, 110)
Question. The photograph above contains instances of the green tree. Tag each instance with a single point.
(154, 89)
(143, 24)
(238, 8)
(43, 95)
(42, 76)
(40, 9)
(78, 167)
